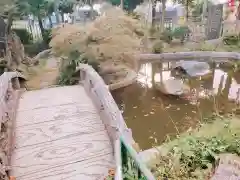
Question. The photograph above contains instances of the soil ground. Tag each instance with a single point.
(44, 75)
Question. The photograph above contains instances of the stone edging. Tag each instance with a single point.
(207, 56)
(126, 81)
(41, 54)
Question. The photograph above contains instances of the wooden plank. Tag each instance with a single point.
(40, 157)
(53, 113)
(91, 169)
(52, 130)
(59, 135)
(53, 97)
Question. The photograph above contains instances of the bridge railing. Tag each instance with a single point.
(127, 160)
(8, 106)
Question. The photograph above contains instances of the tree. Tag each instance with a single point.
(65, 6)
(129, 5)
(39, 9)
(49, 8)
(8, 8)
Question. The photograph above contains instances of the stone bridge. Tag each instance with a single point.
(72, 132)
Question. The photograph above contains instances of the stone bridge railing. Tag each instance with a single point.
(120, 135)
(9, 96)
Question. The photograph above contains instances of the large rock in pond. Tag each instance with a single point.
(192, 68)
(173, 87)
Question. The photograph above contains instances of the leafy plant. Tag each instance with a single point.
(157, 47)
(181, 32)
(24, 35)
(167, 36)
(68, 75)
(233, 39)
(47, 36)
(35, 48)
(194, 155)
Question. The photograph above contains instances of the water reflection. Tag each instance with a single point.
(152, 115)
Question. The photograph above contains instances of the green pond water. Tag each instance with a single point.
(153, 116)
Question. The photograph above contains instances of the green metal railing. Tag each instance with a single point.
(130, 166)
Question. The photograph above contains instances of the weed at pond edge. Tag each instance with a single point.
(193, 155)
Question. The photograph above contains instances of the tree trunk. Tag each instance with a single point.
(41, 28)
(91, 12)
(154, 13)
(187, 12)
(50, 21)
(62, 15)
(56, 11)
(122, 4)
(163, 15)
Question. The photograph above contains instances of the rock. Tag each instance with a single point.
(173, 87)
(192, 68)
(228, 168)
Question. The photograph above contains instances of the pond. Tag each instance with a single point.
(154, 116)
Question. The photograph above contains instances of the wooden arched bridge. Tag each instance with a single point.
(71, 133)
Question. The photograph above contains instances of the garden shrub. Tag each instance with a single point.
(47, 36)
(181, 32)
(167, 36)
(232, 39)
(35, 48)
(68, 75)
(24, 35)
(157, 47)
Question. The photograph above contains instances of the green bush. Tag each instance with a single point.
(47, 36)
(68, 75)
(167, 36)
(157, 47)
(194, 153)
(35, 48)
(24, 35)
(181, 32)
(231, 39)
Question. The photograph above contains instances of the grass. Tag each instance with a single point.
(193, 155)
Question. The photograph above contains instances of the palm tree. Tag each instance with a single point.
(65, 6)
(49, 11)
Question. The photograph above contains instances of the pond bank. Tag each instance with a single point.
(194, 154)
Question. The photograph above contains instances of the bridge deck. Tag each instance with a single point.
(59, 135)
